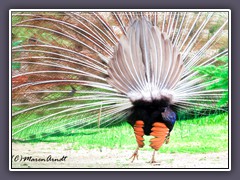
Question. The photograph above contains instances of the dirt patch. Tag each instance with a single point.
(45, 155)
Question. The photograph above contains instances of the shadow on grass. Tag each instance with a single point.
(56, 137)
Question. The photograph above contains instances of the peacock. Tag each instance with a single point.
(94, 69)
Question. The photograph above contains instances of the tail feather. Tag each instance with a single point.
(145, 61)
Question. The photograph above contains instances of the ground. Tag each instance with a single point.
(53, 155)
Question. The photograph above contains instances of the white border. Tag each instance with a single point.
(117, 10)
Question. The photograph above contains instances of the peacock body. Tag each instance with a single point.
(86, 69)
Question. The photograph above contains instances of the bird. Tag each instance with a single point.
(108, 67)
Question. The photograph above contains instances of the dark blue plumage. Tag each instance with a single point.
(169, 117)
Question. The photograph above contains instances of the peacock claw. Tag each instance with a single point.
(135, 155)
(153, 162)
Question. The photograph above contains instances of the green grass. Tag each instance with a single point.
(201, 135)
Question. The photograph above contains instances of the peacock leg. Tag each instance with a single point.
(139, 133)
(135, 155)
(167, 139)
(160, 131)
(153, 157)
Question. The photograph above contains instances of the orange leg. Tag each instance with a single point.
(160, 132)
(139, 133)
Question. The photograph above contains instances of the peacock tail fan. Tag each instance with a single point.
(86, 69)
